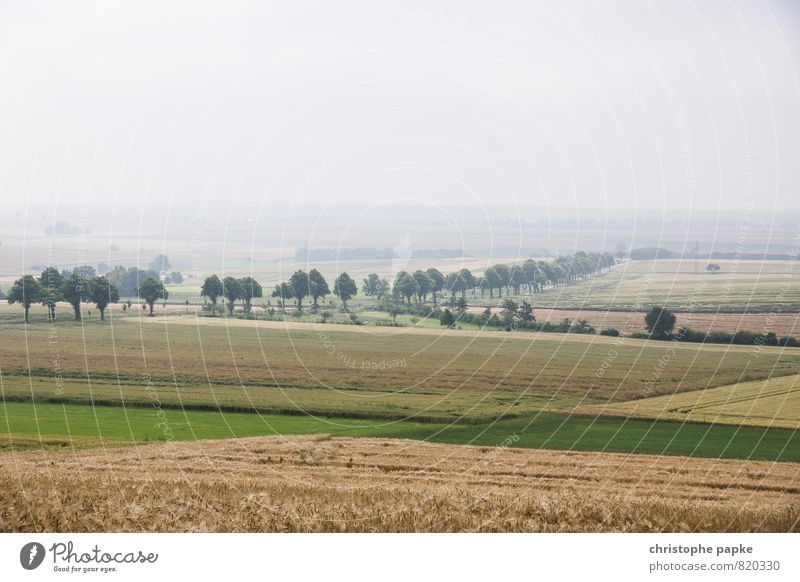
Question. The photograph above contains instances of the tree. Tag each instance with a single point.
(344, 288)
(85, 271)
(26, 291)
(510, 309)
(318, 286)
(151, 290)
(504, 274)
(371, 285)
(425, 284)
(212, 288)
(251, 289)
(437, 282)
(454, 283)
(469, 281)
(51, 281)
(517, 278)
(75, 290)
(232, 290)
(101, 293)
(160, 263)
(493, 281)
(283, 291)
(659, 322)
(405, 286)
(525, 312)
(300, 284)
(461, 305)
(712, 268)
(447, 319)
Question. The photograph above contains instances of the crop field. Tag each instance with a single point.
(329, 484)
(348, 360)
(774, 402)
(740, 286)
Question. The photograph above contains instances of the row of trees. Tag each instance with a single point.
(52, 287)
(299, 286)
(533, 276)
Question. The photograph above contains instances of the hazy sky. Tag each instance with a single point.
(621, 104)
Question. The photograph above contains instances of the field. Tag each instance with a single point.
(324, 484)
(740, 286)
(774, 402)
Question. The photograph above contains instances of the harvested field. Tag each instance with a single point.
(326, 484)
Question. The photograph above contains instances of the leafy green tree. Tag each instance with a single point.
(76, 290)
(525, 312)
(283, 291)
(510, 308)
(251, 289)
(52, 282)
(300, 284)
(447, 319)
(437, 282)
(318, 286)
(425, 284)
(371, 285)
(160, 264)
(405, 286)
(345, 288)
(469, 281)
(26, 291)
(517, 278)
(232, 290)
(101, 293)
(493, 281)
(384, 288)
(454, 283)
(151, 290)
(660, 322)
(504, 273)
(461, 305)
(212, 288)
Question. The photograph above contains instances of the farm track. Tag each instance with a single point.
(316, 484)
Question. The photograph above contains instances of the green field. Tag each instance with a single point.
(79, 426)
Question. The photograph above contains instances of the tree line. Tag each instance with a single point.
(81, 285)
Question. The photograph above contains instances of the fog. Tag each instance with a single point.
(669, 106)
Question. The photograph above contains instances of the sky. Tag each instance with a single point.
(612, 104)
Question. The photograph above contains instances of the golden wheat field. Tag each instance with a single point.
(324, 484)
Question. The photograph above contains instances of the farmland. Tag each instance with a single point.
(740, 286)
(773, 402)
(330, 484)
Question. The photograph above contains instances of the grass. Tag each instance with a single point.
(544, 430)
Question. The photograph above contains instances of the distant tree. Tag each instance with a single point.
(26, 291)
(405, 286)
(712, 268)
(75, 290)
(212, 288)
(504, 274)
(447, 319)
(160, 263)
(151, 290)
(318, 286)
(371, 285)
(101, 293)
(461, 305)
(85, 271)
(469, 281)
(52, 282)
(493, 281)
(283, 291)
(525, 312)
(437, 282)
(174, 278)
(301, 285)
(344, 288)
(384, 288)
(454, 283)
(517, 279)
(103, 269)
(232, 290)
(425, 284)
(510, 309)
(251, 289)
(659, 322)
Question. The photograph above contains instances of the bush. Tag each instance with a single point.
(610, 331)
